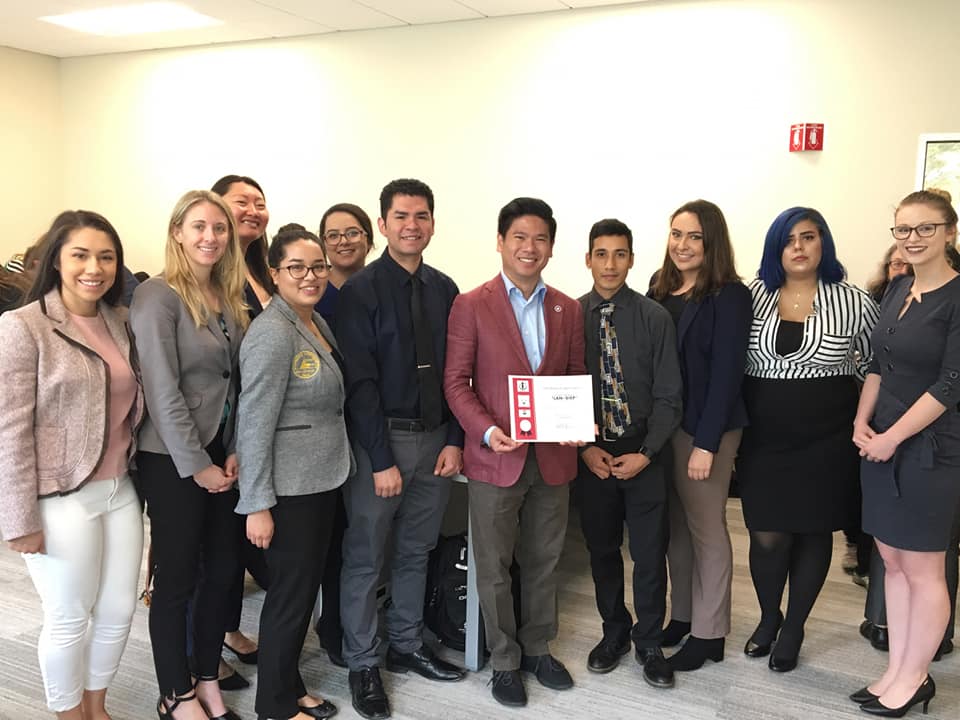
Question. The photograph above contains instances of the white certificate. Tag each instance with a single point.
(551, 408)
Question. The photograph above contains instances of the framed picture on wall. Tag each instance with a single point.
(938, 163)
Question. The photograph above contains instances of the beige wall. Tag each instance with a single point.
(31, 183)
(625, 112)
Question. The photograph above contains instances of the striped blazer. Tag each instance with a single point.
(836, 336)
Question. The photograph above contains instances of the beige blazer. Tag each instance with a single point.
(53, 417)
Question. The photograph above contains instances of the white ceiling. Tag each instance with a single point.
(251, 20)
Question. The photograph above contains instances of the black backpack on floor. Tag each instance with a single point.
(445, 603)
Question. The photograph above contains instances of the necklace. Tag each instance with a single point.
(796, 302)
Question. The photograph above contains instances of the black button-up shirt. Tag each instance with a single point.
(375, 333)
(648, 356)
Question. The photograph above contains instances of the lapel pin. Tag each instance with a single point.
(557, 308)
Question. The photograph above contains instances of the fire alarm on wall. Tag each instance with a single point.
(806, 136)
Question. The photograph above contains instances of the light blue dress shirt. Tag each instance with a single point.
(533, 329)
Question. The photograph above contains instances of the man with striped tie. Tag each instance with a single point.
(631, 352)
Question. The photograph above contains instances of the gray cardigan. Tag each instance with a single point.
(188, 374)
(291, 435)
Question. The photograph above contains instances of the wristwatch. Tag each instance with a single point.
(644, 450)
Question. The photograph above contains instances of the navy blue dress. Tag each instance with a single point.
(910, 501)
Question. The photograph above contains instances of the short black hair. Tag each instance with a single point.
(518, 207)
(610, 226)
(404, 186)
(290, 233)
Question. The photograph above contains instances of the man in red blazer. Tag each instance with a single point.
(515, 324)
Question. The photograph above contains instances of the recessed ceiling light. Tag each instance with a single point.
(133, 19)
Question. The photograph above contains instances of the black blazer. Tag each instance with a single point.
(712, 341)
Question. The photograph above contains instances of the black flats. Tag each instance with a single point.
(763, 637)
(248, 658)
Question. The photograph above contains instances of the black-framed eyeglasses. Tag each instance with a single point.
(332, 237)
(299, 272)
(925, 230)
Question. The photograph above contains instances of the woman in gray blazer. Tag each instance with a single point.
(293, 452)
(188, 322)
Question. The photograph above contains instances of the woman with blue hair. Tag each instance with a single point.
(797, 469)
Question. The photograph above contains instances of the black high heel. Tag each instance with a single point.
(782, 659)
(924, 694)
(177, 699)
(759, 644)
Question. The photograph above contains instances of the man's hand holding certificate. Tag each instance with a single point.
(551, 408)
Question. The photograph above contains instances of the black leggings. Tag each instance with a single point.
(804, 558)
(188, 527)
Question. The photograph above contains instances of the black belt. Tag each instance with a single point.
(632, 431)
(406, 425)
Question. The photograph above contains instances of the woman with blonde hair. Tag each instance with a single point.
(188, 322)
(67, 430)
(908, 430)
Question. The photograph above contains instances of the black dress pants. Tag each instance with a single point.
(295, 564)
(189, 528)
(641, 502)
(329, 628)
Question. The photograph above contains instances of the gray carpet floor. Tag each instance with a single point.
(834, 661)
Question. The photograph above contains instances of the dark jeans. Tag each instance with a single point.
(295, 563)
(189, 527)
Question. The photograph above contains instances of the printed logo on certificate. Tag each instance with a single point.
(551, 408)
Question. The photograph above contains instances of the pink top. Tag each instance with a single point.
(123, 388)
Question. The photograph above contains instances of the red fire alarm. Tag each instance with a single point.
(806, 136)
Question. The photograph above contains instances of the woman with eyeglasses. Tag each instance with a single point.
(908, 430)
(798, 472)
(347, 234)
(293, 452)
(893, 267)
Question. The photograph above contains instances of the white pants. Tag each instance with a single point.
(87, 582)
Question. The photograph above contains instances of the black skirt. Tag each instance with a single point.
(797, 467)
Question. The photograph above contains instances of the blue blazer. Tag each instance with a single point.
(712, 341)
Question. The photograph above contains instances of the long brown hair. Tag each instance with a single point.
(719, 267)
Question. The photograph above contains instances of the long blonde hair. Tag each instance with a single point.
(227, 276)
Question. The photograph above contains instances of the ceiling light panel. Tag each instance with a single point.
(133, 19)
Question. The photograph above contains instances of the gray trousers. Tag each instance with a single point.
(409, 524)
(528, 519)
(699, 555)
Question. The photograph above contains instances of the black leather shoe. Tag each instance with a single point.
(876, 634)
(606, 655)
(325, 709)
(369, 698)
(549, 671)
(508, 688)
(656, 670)
(786, 652)
(424, 663)
(762, 639)
(863, 695)
(674, 633)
